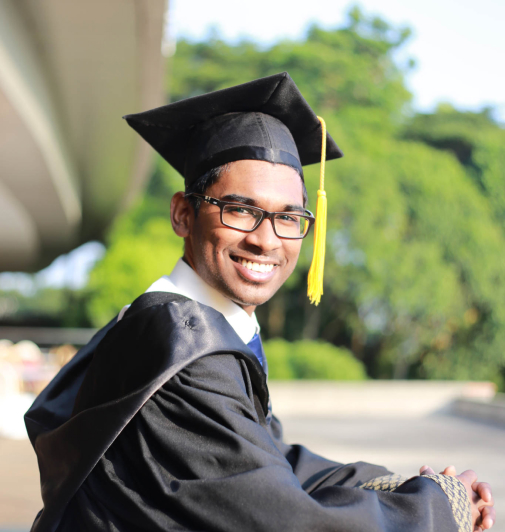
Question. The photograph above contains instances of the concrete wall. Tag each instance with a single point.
(372, 399)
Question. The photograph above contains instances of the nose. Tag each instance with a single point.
(264, 237)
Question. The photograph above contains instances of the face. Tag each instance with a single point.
(221, 255)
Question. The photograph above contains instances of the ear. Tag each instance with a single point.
(182, 215)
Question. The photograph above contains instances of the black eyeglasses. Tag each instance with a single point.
(247, 218)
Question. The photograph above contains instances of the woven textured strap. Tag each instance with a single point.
(453, 488)
(385, 483)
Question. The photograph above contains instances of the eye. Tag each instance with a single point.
(238, 210)
(288, 218)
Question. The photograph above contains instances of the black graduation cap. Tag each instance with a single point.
(267, 119)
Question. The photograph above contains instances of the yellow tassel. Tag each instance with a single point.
(316, 272)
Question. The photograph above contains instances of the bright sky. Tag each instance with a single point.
(459, 45)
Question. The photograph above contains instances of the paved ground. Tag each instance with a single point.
(401, 445)
(19, 485)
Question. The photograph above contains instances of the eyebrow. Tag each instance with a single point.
(249, 201)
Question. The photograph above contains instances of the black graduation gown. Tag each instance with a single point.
(159, 423)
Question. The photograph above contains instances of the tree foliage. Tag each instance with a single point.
(414, 282)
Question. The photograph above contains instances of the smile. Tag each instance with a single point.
(256, 266)
(254, 271)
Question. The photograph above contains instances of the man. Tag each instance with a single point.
(163, 422)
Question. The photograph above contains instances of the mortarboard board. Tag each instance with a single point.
(266, 119)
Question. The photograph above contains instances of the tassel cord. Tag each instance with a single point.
(316, 272)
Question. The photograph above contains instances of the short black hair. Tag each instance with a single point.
(212, 176)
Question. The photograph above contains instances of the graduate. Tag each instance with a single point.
(163, 422)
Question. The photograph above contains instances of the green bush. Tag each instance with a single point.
(307, 359)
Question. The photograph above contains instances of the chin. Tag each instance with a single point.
(252, 299)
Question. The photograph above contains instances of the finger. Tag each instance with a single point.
(449, 470)
(488, 516)
(483, 490)
(426, 470)
(469, 475)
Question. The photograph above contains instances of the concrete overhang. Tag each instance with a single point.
(68, 163)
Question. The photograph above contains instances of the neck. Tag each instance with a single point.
(248, 308)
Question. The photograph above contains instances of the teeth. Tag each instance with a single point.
(256, 267)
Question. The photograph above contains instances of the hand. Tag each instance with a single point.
(479, 493)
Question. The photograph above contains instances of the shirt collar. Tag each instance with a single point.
(185, 281)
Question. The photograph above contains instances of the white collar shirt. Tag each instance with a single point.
(186, 282)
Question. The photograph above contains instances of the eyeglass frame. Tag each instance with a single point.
(264, 215)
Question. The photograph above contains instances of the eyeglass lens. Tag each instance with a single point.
(288, 225)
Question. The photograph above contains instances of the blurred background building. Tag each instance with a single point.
(68, 165)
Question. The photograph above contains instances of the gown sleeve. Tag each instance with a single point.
(314, 471)
(200, 456)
